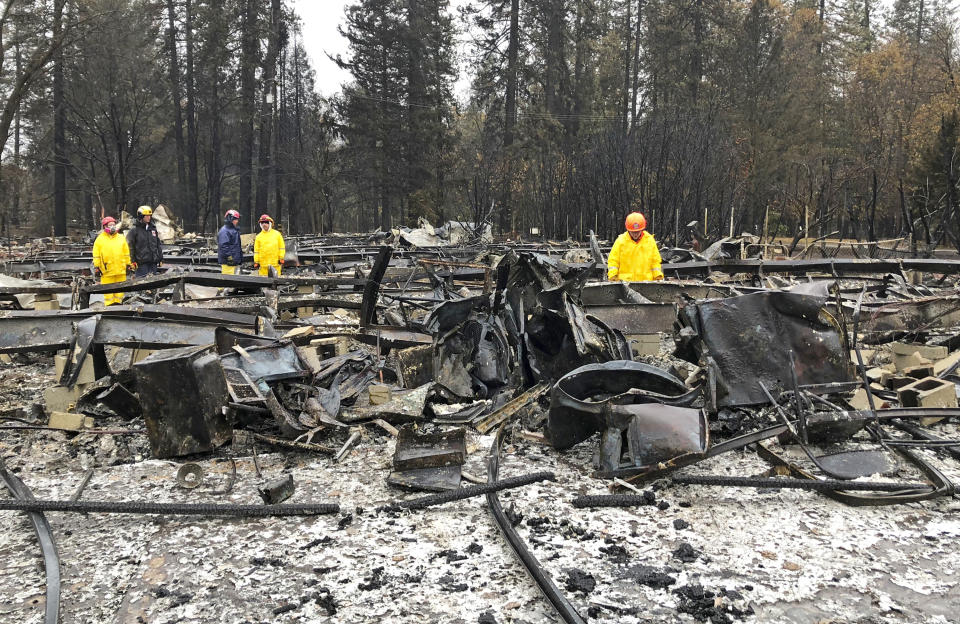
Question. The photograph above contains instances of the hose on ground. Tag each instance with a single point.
(179, 509)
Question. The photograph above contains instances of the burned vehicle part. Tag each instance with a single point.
(749, 338)
(577, 410)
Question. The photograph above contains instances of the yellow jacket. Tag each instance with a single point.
(111, 254)
(268, 248)
(634, 261)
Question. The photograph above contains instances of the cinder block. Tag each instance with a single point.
(86, 376)
(934, 352)
(903, 362)
(928, 392)
(897, 382)
(329, 347)
(919, 372)
(379, 394)
(62, 398)
(5, 358)
(875, 375)
(53, 304)
(305, 312)
(859, 400)
(67, 420)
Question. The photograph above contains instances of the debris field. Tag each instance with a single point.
(430, 425)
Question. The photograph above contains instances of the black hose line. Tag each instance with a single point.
(476, 490)
(630, 500)
(799, 484)
(180, 509)
(566, 611)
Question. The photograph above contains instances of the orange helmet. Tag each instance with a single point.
(636, 222)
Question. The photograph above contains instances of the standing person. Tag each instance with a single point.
(635, 257)
(268, 247)
(111, 259)
(146, 250)
(229, 249)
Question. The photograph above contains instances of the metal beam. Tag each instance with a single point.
(52, 333)
(142, 312)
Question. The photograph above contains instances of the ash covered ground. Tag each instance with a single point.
(694, 553)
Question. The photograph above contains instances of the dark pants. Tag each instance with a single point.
(146, 269)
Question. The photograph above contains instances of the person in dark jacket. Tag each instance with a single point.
(146, 249)
(229, 250)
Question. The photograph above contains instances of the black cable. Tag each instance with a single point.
(630, 500)
(180, 509)
(550, 590)
(798, 484)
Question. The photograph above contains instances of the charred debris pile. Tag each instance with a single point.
(830, 370)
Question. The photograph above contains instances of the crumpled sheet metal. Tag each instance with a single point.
(268, 362)
(405, 406)
(747, 339)
(582, 402)
(182, 392)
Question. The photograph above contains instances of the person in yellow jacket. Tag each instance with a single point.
(111, 258)
(635, 257)
(268, 247)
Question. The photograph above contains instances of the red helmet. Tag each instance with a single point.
(265, 218)
(232, 214)
(107, 221)
(636, 222)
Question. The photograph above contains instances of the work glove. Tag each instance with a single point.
(280, 261)
(96, 272)
(256, 265)
(230, 260)
(658, 278)
(159, 264)
(132, 266)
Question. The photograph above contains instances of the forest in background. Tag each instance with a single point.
(792, 118)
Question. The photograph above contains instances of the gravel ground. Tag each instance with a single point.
(696, 554)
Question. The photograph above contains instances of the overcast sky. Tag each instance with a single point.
(320, 38)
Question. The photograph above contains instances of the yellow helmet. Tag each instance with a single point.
(144, 211)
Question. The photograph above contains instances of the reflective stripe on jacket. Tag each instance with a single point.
(634, 261)
(111, 254)
(268, 248)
